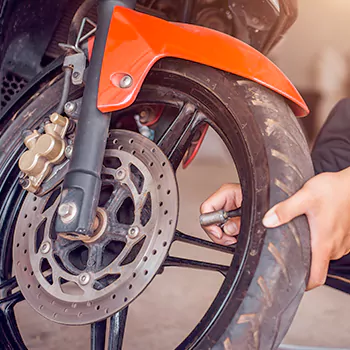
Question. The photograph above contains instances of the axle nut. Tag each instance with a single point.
(67, 212)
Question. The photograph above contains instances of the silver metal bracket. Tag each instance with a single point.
(78, 63)
(80, 37)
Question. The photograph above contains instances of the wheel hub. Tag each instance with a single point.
(75, 282)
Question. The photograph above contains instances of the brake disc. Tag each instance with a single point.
(75, 282)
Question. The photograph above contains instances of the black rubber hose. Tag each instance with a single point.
(65, 92)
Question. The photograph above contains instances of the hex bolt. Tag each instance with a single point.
(64, 210)
(45, 247)
(84, 278)
(133, 232)
(24, 182)
(120, 174)
(125, 82)
(68, 151)
(70, 107)
(67, 212)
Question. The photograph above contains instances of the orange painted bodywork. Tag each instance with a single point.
(136, 41)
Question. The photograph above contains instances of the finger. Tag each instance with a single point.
(232, 227)
(228, 197)
(225, 240)
(319, 265)
(288, 210)
(214, 231)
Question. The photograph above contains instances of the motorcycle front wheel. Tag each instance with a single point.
(268, 270)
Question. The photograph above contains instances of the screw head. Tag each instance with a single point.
(76, 75)
(45, 247)
(67, 212)
(68, 151)
(84, 278)
(125, 82)
(69, 107)
(120, 174)
(133, 232)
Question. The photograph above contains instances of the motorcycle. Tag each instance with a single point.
(89, 198)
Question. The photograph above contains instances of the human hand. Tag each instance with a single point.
(325, 200)
(228, 197)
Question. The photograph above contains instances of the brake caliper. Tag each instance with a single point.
(44, 151)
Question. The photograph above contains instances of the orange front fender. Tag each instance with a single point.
(136, 41)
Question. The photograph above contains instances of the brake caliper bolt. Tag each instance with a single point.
(45, 247)
(24, 183)
(84, 278)
(125, 82)
(69, 107)
(133, 232)
(68, 151)
(120, 174)
(67, 212)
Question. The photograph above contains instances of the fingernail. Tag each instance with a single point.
(230, 242)
(230, 228)
(271, 220)
(217, 234)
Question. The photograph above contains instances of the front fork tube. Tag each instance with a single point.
(82, 183)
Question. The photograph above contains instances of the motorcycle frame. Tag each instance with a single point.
(126, 46)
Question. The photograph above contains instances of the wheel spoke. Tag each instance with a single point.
(13, 298)
(182, 237)
(6, 287)
(10, 283)
(117, 330)
(98, 335)
(177, 137)
(195, 264)
(8, 326)
(95, 258)
(114, 205)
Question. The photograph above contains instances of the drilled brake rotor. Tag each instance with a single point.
(74, 282)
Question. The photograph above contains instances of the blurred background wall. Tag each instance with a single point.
(315, 55)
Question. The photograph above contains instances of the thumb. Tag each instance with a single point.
(287, 210)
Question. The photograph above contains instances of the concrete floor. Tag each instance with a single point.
(175, 301)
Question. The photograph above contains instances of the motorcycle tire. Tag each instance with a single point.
(269, 271)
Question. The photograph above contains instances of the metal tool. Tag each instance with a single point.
(218, 217)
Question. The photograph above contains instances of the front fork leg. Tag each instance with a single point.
(82, 183)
